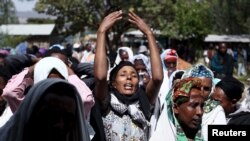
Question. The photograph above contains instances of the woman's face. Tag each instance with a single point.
(207, 85)
(190, 113)
(142, 71)
(124, 56)
(225, 102)
(55, 117)
(126, 81)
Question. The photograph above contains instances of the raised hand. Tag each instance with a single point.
(136, 20)
(109, 20)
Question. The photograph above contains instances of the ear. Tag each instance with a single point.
(113, 84)
(234, 101)
(175, 108)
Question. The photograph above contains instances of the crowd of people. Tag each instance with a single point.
(66, 94)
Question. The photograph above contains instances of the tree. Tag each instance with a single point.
(191, 20)
(7, 12)
(7, 16)
(230, 16)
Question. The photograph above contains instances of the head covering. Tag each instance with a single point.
(16, 63)
(199, 70)
(76, 45)
(232, 87)
(14, 129)
(145, 60)
(21, 48)
(45, 66)
(184, 86)
(169, 54)
(58, 46)
(42, 51)
(130, 54)
(4, 52)
(216, 81)
(180, 93)
(142, 49)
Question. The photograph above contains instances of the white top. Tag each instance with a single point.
(214, 117)
(165, 130)
(5, 116)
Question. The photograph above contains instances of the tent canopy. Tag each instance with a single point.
(228, 38)
(27, 29)
(138, 33)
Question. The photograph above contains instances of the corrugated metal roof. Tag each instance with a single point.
(27, 29)
(228, 38)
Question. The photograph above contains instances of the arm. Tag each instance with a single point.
(100, 64)
(154, 84)
(84, 92)
(13, 92)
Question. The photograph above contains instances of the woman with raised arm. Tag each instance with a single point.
(125, 108)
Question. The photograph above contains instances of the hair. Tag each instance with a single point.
(232, 87)
(4, 72)
(178, 75)
(54, 50)
(33, 50)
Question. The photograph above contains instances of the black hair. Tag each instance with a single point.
(54, 50)
(4, 72)
(232, 87)
(178, 75)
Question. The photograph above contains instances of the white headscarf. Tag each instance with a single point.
(45, 65)
(145, 60)
(130, 54)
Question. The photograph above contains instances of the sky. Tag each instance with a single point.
(24, 5)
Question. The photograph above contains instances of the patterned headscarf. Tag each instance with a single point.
(199, 70)
(168, 54)
(179, 93)
(183, 87)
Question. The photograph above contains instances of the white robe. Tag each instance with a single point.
(165, 130)
(214, 117)
(6, 115)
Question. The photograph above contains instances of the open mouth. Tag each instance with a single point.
(128, 86)
(196, 121)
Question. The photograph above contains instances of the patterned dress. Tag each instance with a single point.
(121, 127)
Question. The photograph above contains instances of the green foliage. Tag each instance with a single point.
(191, 20)
(40, 21)
(230, 16)
(10, 41)
(7, 12)
(175, 18)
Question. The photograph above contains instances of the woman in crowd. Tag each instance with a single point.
(229, 92)
(142, 66)
(182, 113)
(213, 112)
(55, 59)
(125, 107)
(51, 111)
(124, 54)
